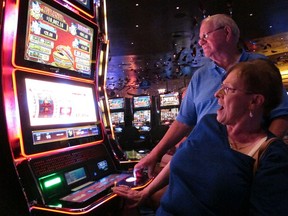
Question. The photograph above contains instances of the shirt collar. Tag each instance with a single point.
(244, 57)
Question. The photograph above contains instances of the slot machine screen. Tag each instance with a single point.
(54, 39)
(168, 115)
(75, 175)
(117, 118)
(82, 5)
(116, 103)
(142, 119)
(142, 101)
(171, 99)
(56, 113)
(118, 122)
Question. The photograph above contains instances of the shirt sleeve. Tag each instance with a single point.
(282, 108)
(187, 113)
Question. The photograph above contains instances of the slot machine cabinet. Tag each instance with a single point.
(142, 118)
(117, 113)
(54, 154)
(116, 116)
(169, 107)
(104, 102)
(142, 112)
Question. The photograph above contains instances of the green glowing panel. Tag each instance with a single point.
(52, 182)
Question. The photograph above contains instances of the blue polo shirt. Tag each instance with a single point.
(209, 178)
(200, 99)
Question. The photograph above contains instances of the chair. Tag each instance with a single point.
(130, 139)
(157, 133)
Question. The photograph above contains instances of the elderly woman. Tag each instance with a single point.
(212, 173)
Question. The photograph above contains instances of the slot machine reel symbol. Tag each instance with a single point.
(65, 111)
(46, 107)
(63, 57)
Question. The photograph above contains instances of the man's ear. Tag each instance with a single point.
(228, 32)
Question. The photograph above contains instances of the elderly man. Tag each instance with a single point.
(219, 36)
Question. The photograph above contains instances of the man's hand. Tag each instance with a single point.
(148, 162)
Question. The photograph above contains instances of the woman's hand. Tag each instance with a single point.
(133, 197)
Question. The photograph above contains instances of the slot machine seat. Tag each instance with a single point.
(157, 133)
(130, 139)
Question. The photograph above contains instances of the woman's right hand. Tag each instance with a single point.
(133, 198)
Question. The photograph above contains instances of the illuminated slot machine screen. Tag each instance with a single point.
(116, 103)
(168, 115)
(142, 120)
(56, 113)
(52, 38)
(171, 99)
(142, 101)
(85, 6)
(117, 119)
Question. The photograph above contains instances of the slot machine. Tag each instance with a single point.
(142, 116)
(142, 112)
(169, 106)
(117, 113)
(54, 153)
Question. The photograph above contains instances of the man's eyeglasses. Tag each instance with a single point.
(206, 35)
(226, 90)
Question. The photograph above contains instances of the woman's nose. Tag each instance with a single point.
(219, 93)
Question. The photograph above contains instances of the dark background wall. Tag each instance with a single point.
(156, 40)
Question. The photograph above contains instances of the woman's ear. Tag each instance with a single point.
(257, 100)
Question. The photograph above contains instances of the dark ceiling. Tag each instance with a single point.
(155, 41)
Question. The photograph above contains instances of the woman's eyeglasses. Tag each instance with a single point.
(226, 90)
